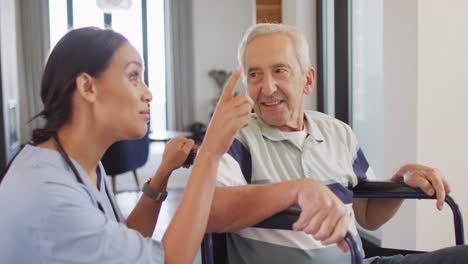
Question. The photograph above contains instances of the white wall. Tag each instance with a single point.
(218, 26)
(442, 127)
(400, 116)
(425, 94)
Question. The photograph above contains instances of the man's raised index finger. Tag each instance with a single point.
(230, 87)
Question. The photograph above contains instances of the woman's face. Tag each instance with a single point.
(122, 102)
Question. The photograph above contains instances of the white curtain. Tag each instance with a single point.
(34, 25)
(180, 72)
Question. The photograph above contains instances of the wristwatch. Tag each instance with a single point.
(152, 193)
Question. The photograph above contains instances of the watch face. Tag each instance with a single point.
(161, 196)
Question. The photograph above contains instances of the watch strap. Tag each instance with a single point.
(153, 194)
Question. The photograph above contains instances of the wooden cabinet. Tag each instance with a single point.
(268, 11)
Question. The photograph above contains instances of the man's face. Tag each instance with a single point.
(276, 82)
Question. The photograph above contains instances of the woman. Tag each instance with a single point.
(55, 205)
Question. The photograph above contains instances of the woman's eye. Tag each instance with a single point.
(134, 76)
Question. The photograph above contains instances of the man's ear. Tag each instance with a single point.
(310, 81)
(85, 87)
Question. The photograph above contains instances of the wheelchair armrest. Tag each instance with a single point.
(282, 220)
(285, 219)
(381, 189)
(399, 190)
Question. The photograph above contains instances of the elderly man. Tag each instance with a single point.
(288, 156)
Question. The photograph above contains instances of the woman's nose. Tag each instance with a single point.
(147, 95)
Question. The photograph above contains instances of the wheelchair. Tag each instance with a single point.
(214, 244)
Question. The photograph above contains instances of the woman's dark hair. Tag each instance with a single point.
(84, 50)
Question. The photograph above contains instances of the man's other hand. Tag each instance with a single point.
(430, 180)
(323, 215)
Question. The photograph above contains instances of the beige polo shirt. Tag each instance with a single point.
(327, 150)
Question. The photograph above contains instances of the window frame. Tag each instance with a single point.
(107, 18)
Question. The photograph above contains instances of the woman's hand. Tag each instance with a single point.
(176, 152)
(232, 113)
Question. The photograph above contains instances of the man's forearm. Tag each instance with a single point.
(373, 213)
(234, 208)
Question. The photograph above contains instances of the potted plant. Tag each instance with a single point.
(220, 77)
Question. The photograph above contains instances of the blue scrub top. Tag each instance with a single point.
(47, 216)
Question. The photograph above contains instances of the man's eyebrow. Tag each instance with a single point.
(251, 69)
(278, 65)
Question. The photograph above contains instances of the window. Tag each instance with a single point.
(350, 59)
(142, 24)
(333, 58)
(367, 91)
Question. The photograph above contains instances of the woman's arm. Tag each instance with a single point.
(184, 234)
(144, 216)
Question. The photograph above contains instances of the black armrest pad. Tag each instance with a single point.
(282, 220)
(388, 190)
(285, 219)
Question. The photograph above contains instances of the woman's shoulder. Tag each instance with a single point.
(35, 164)
(35, 171)
(42, 181)
(24, 191)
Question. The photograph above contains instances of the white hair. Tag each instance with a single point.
(300, 43)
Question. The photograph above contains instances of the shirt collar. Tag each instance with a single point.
(313, 128)
(275, 134)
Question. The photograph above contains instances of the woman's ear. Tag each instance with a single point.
(310, 80)
(85, 87)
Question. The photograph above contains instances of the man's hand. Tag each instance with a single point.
(323, 215)
(430, 180)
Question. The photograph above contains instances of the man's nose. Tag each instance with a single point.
(269, 85)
